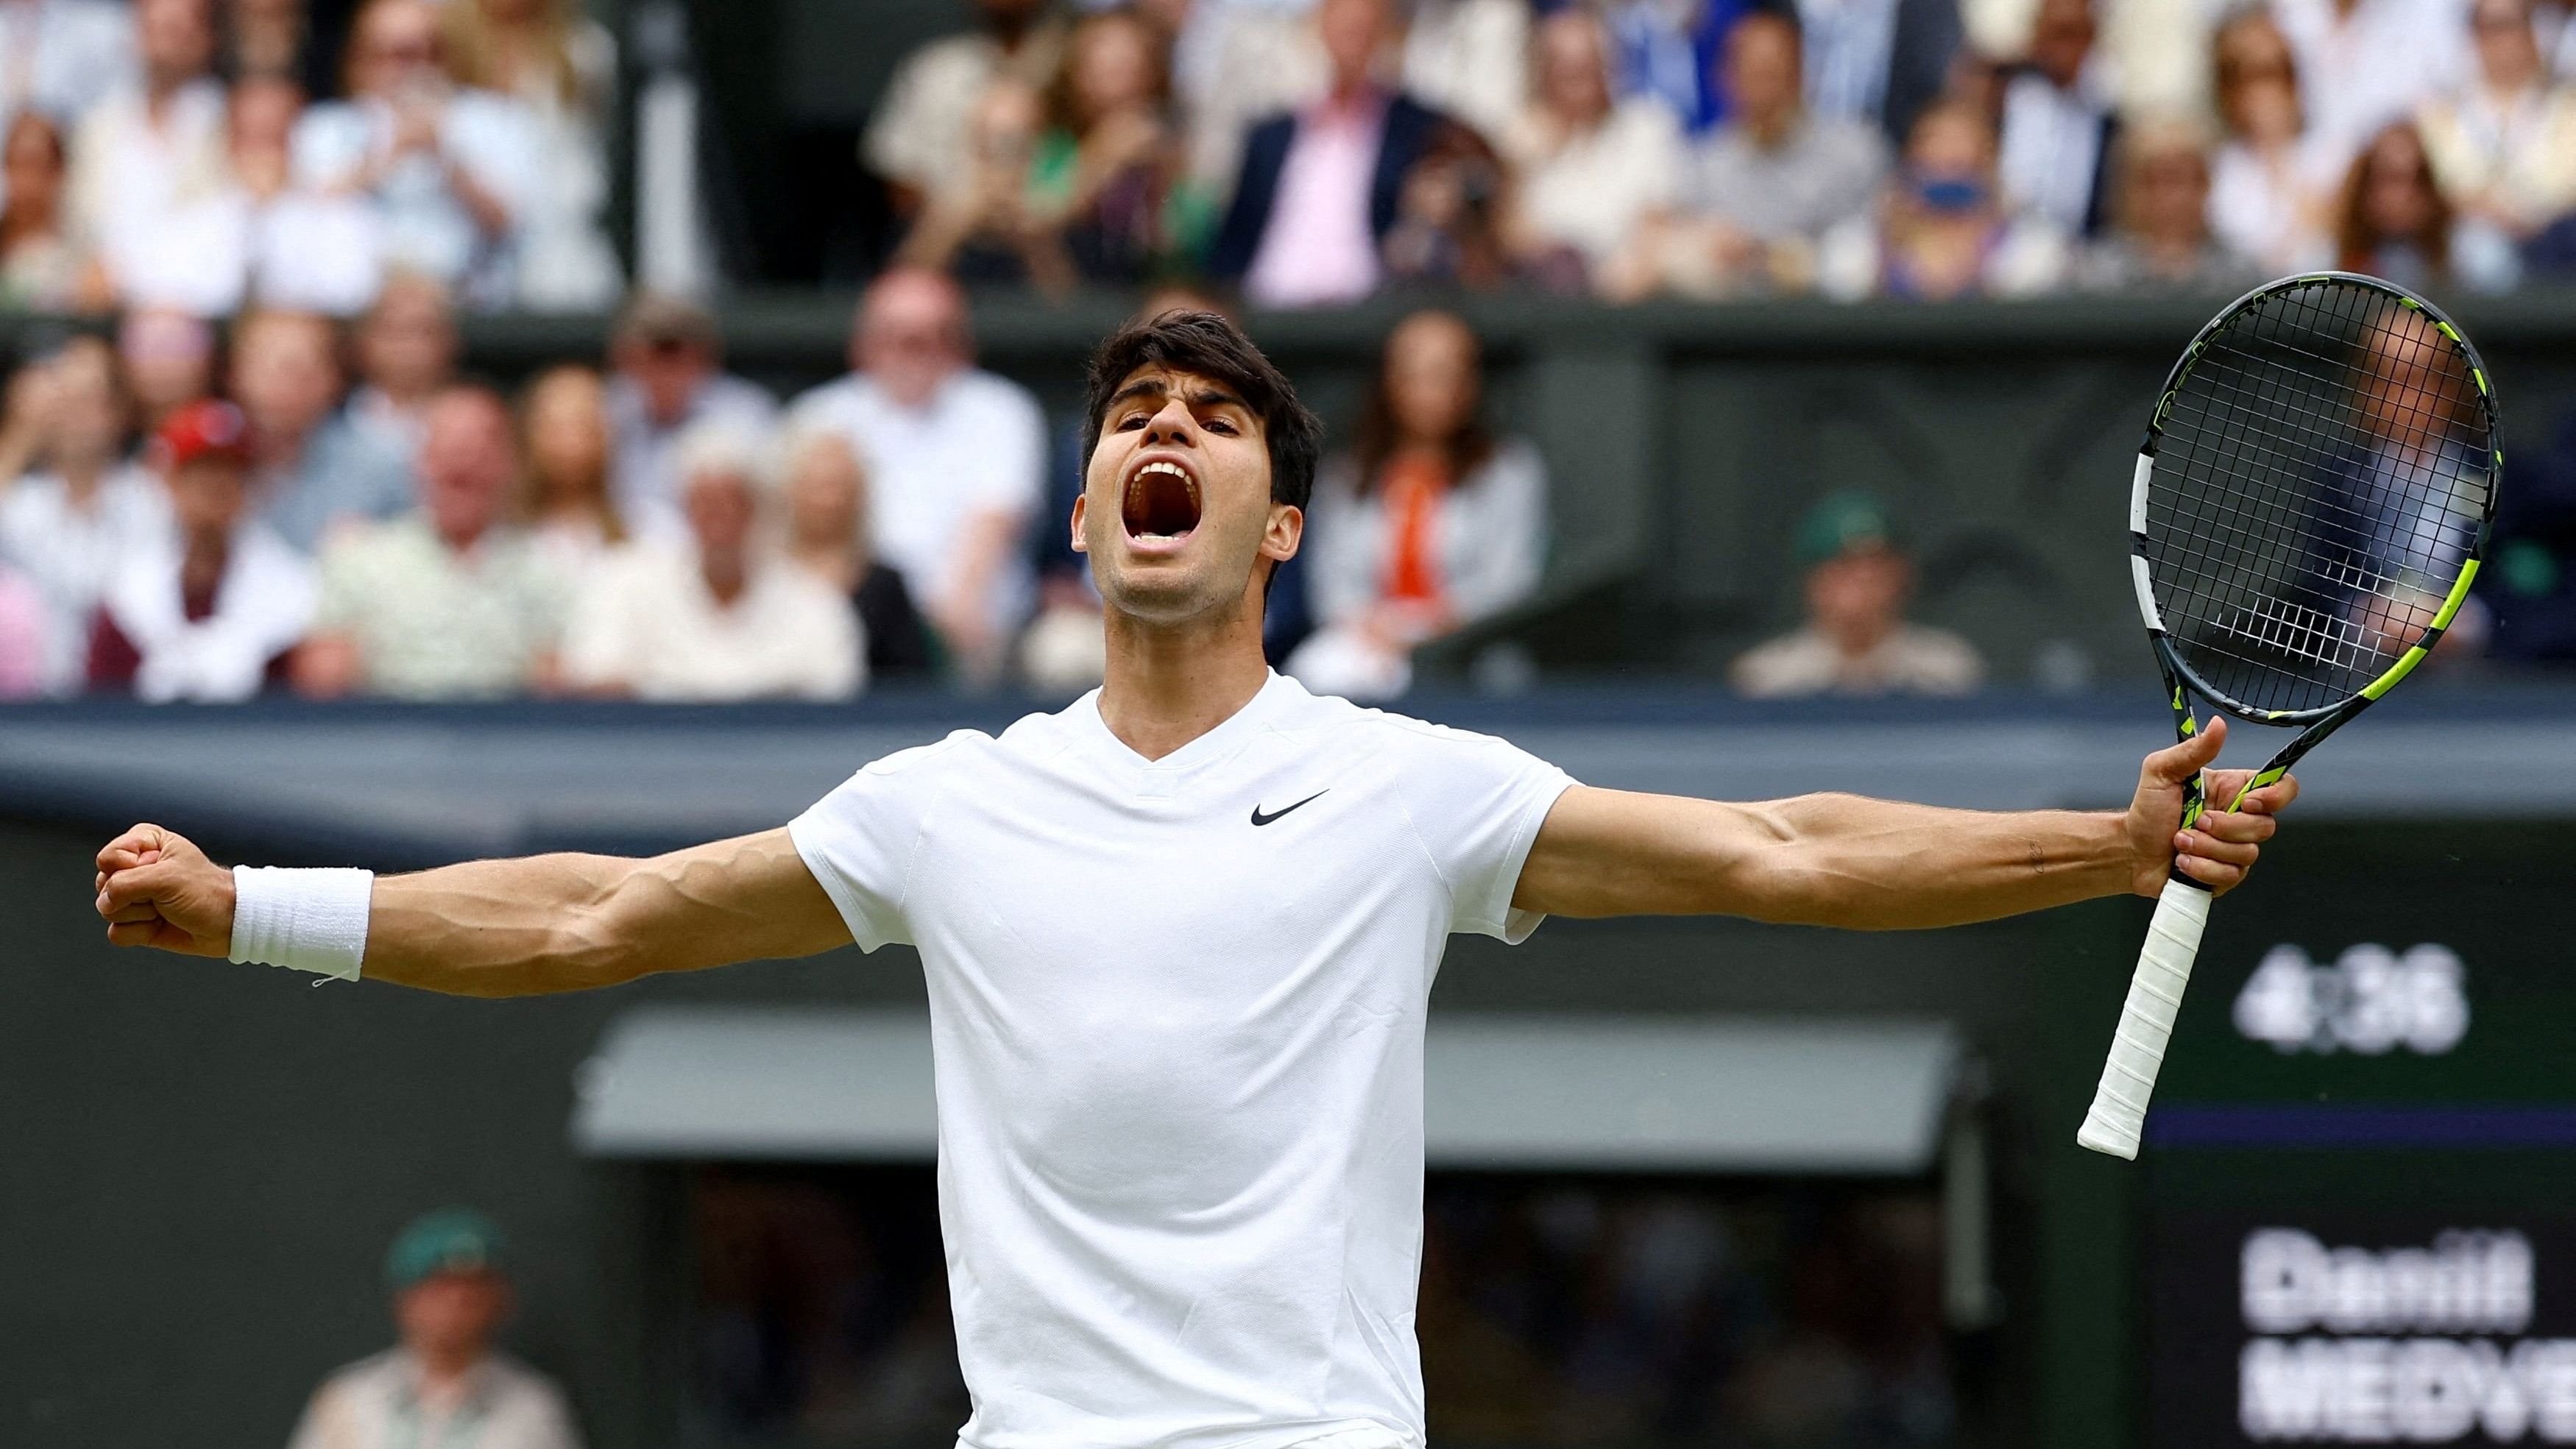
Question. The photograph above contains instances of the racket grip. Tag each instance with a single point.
(2119, 1107)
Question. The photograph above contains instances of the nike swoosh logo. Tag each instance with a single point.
(1260, 819)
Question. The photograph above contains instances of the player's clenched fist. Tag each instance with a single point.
(157, 889)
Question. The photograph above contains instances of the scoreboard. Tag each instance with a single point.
(2360, 1182)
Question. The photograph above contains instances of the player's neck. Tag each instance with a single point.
(1168, 684)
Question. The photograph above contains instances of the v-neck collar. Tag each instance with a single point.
(1218, 743)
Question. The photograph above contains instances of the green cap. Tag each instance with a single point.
(1841, 522)
(450, 1240)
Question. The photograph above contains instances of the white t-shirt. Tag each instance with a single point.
(646, 620)
(1177, 1012)
(71, 553)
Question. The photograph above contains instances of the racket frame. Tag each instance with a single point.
(2181, 680)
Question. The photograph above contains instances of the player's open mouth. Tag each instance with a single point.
(1161, 503)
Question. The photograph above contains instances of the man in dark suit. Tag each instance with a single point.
(1318, 187)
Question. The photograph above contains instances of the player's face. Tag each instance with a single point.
(1175, 508)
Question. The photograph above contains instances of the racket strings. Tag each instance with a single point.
(2320, 481)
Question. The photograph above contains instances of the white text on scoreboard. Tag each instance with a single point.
(2369, 1000)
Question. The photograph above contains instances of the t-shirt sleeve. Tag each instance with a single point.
(859, 840)
(1477, 802)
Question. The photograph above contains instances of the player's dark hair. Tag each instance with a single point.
(1209, 346)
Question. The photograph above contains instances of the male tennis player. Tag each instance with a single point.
(1179, 938)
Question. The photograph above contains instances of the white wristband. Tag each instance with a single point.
(304, 920)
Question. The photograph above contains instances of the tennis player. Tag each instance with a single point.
(1179, 940)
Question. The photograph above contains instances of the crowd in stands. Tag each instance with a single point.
(1311, 152)
(210, 155)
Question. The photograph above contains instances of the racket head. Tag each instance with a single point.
(2313, 496)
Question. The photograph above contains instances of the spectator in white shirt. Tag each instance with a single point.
(956, 457)
(565, 503)
(1593, 169)
(150, 150)
(1759, 191)
(314, 469)
(2272, 182)
(562, 66)
(451, 171)
(83, 507)
(2057, 122)
(2503, 145)
(62, 56)
(2369, 62)
(406, 347)
(276, 239)
(725, 617)
(667, 357)
(206, 610)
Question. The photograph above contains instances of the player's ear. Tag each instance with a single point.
(1077, 525)
(1286, 529)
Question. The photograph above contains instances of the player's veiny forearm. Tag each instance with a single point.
(1838, 860)
(510, 927)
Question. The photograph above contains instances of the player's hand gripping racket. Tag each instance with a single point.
(2311, 503)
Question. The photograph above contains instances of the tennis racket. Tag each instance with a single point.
(2311, 503)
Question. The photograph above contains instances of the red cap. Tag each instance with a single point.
(200, 430)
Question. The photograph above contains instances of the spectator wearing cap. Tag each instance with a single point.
(448, 601)
(76, 506)
(667, 364)
(956, 461)
(1856, 639)
(315, 468)
(206, 610)
(444, 1383)
(724, 617)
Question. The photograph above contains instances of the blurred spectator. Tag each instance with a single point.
(453, 172)
(2371, 62)
(2394, 222)
(266, 235)
(2272, 182)
(23, 627)
(1448, 229)
(920, 132)
(1759, 191)
(76, 506)
(2057, 122)
(980, 223)
(1856, 640)
(667, 357)
(724, 617)
(562, 67)
(2503, 145)
(444, 1383)
(1107, 170)
(64, 56)
(316, 468)
(206, 610)
(956, 460)
(147, 150)
(2160, 238)
(1941, 230)
(44, 266)
(1591, 170)
(168, 359)
(1429, 523)
(566, 505)
(1470, 58)
(270, 40)
(1318, 188)
(827, 534)
(406, 346)
(1236, 63)
(1668, 50)
(447, 602)
(1879, 61)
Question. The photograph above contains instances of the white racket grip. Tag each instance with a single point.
(2119, 1108)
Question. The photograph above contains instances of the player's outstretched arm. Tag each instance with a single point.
(1841, 860)
(508, 927)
